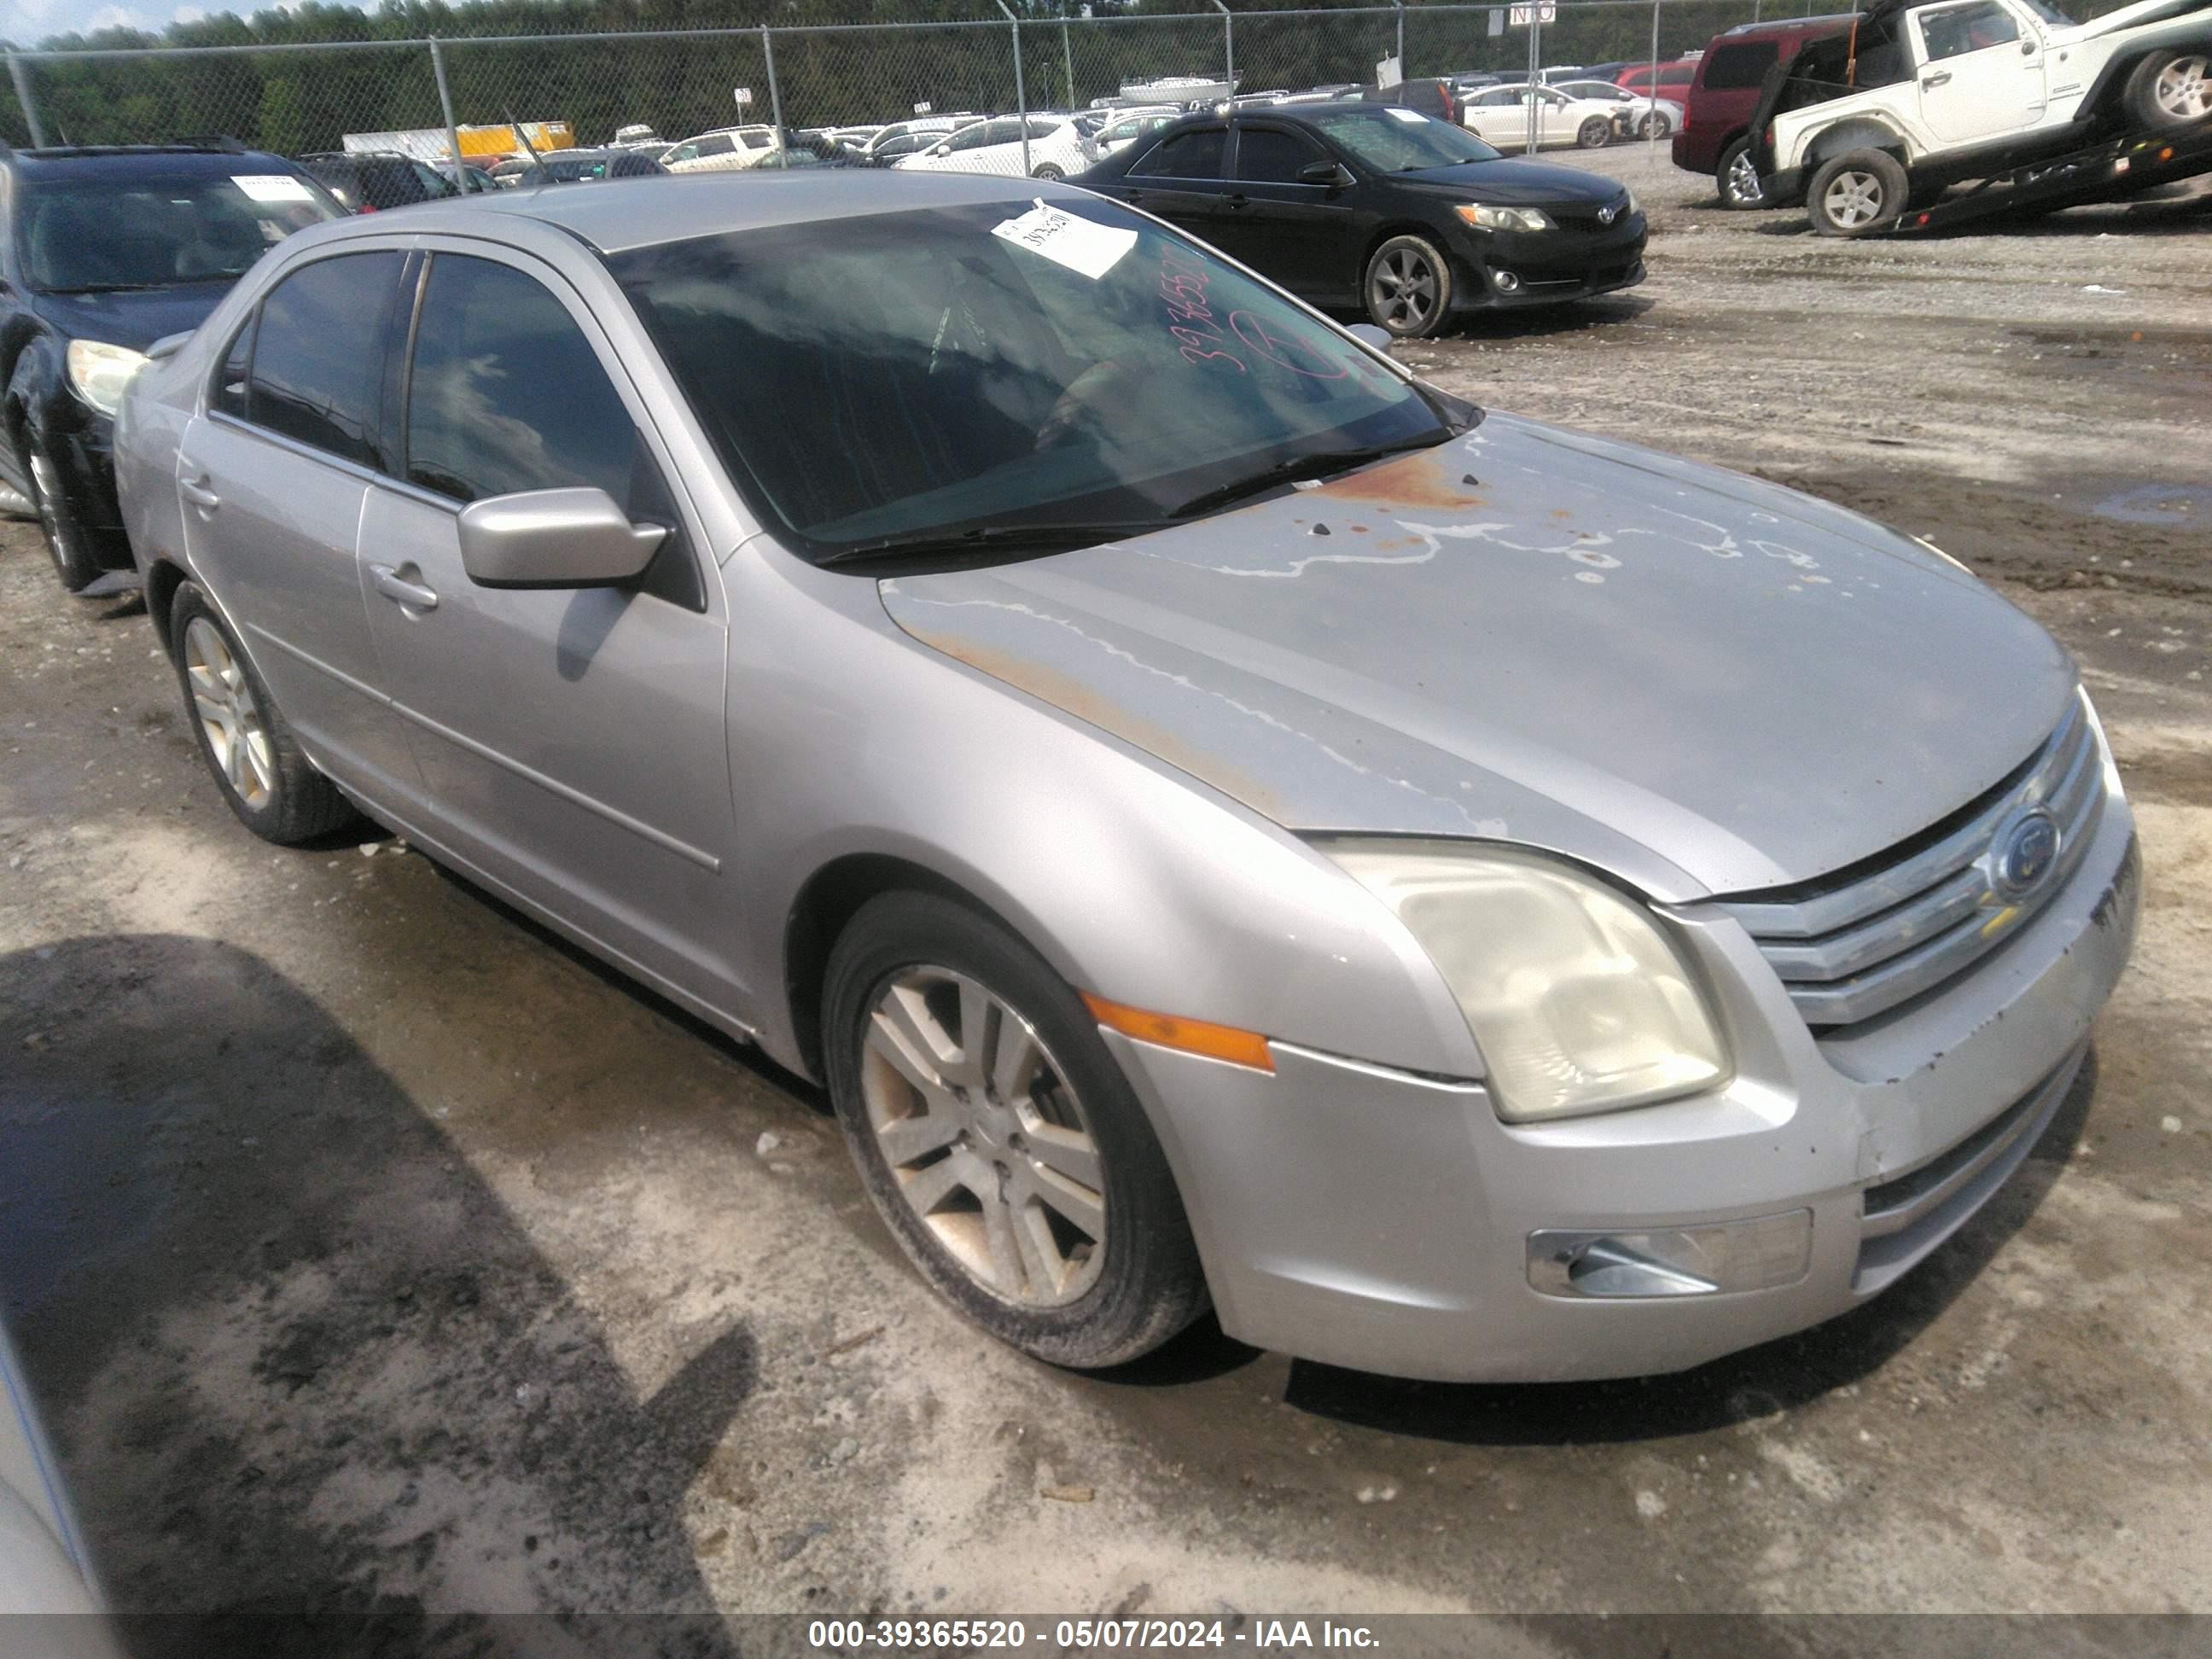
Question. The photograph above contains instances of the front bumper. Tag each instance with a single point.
(1549, 267)
(1366, 1217)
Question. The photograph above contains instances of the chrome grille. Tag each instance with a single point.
(1848, 950)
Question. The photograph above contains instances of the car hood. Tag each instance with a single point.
(2127, 17)
(135, 320)
(1701, 681)
(1506, 183)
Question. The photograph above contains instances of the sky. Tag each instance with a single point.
(27, 23)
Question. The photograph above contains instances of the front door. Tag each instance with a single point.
(572, 741)
(1981, 72)
(271, 477)
(1289, 229)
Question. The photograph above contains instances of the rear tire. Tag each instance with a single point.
(1025, 1182)
(2170, 88)
(1408, 287)
(1048, 172)
(1858, 194)
(1737, 175)
(1596, 133)
(1653, 125)
(245, 740)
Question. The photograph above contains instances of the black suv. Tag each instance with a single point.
(375, 181)
(103, 253)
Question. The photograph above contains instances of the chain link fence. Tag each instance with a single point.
(295, 97)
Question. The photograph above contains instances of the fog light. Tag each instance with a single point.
(1760, 1253)
(1507, 282)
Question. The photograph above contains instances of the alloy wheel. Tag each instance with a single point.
(2184, 89)
(1853, 199)
(1404, 290)
(237, 735)
(46, 490)
(985, 1138)
(1743, 180)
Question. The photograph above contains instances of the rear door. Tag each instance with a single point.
(1981, 71)
(1184, 179)
(570, 740)
(273, 474)
(1291, 231)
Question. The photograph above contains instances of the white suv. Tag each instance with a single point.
(1920, 96)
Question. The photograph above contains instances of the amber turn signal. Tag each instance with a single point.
(1192, 1036)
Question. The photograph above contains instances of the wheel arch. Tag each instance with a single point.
(2106, 92)
(163, 578)
(826, 903)
(1856, 132)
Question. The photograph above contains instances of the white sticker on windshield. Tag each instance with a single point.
(1065, 238)
(1412, 115)
(272, 186)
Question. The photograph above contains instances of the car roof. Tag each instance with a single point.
(168, 160)
(623, 214)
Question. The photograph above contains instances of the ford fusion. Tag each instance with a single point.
(1229, 824)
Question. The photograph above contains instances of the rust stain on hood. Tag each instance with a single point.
(1426, 478)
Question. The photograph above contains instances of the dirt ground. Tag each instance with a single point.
(371, 1250)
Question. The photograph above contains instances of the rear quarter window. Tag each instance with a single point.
(1735, 69)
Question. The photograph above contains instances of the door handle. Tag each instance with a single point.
(396, 588)
(1235, 202)
(1941, 78)
(196, 491)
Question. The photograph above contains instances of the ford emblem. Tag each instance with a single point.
(2025, 852)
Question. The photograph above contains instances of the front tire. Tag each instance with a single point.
(67, 544)
(1408, 287)
(1737, 175)
(1595, 134)
(2170, 89)
(245, 740)
(999, 1140)
(1858, 194)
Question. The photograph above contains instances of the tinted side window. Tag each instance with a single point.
(1732, 68)
(317, 358)
(1186, 155)
(1269, 156)
(507, 395)
(719, 144)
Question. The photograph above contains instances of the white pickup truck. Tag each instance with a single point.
(1915, 98)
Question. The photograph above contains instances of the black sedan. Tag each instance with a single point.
(102, 252)
(1381, 208)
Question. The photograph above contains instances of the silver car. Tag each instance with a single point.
(1229, 824)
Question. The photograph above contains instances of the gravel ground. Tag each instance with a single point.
(370, 1249)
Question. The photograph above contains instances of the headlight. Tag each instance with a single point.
(1628, 199)
(98, 373)
(1485, 217)
(1578, 1001)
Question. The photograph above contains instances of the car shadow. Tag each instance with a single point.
(1543, 322)
(315, 1388)
(1777, 1377)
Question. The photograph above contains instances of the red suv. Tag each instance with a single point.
(1716, 126)
(1671, 80)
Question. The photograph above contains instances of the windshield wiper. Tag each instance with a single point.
(988, 538)
(110, 288)
(1314, 464)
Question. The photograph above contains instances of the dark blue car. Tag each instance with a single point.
(106, 251)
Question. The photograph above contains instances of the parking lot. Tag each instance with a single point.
(369, 1247)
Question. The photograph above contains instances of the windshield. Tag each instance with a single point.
(915, 374)
(80, 235)
(1391, 139)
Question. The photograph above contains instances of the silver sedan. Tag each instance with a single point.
(1228, 822)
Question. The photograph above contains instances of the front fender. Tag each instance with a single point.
(1133, 880)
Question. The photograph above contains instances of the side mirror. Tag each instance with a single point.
(1367, 335)
(1334, 174)
(555, 538)
(167, 345)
